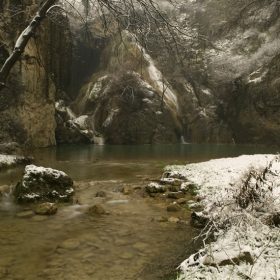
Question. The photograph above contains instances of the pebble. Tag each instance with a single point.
(25, 214)
(69, 244)
(173, 220)
(174, 208)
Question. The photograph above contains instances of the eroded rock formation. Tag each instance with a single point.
(64, 90)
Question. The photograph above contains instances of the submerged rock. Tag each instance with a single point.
(96, 209)
(126, 190)
(100, 194)
(43, 184)
(174, 208)
(70, 244)
(25, 214)
(46, 208)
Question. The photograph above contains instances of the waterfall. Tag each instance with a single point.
(157, 76)
(70, 113)
(182, 140)
(6, 203)
(99, 140)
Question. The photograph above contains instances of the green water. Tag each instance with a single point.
(111, 162)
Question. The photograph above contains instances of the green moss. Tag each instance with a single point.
(163, 163)
(134, 167)
(193, 189)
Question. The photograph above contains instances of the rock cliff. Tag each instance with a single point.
(72, 87)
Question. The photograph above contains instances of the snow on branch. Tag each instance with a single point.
(23, 40)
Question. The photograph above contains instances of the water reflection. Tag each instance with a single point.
(96, 162)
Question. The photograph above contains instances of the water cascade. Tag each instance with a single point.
(182, 140)
(157, 76)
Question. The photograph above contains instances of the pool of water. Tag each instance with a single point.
(99, 162)
(73, 245)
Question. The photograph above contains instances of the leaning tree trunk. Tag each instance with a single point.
(23, 40)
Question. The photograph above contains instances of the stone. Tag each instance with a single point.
(100, 194)
(173, 188)
(43, 184)
(167, 181)
(39, 218)
(161, 219)
(96, 209)
(229, 257)
(173, 220)
(174, 208)
(69, 244)
(126, 190)
(46, 208)
(177, 182)
(155, 188)
(127, 256)
(175, 195)
(25, 214)
(181, 201)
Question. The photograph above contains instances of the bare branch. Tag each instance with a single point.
(23, 40)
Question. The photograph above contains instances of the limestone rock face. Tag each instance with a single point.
(121, 110)
(43, 184)
(256, 106)
(227, 91)
(27, 103)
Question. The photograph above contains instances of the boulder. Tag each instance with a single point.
(43, 184)
(25, 214)
(161, 219)
(100, 194)
(69, 244)
(173, 220)
(181, 200)
(175, 195)
(155, 188)
(126, 190)
(96, 209)
(174, 208)
(46, 208)
(173, 188)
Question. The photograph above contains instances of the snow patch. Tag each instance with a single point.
(218, 180)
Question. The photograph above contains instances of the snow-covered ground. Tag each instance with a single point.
(243, 233)
(9, 160)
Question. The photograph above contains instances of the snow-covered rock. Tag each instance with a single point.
(155, 188)
(43, 184)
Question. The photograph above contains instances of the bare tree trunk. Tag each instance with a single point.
(23, 40)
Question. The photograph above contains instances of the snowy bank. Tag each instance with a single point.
(240, 201)
(10, 160)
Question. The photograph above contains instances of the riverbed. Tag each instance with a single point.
(120, 245)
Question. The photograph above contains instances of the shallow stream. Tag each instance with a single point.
(73, 245)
